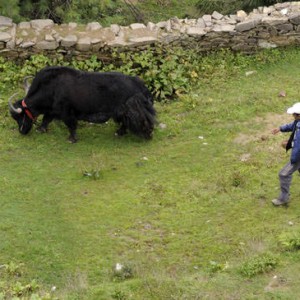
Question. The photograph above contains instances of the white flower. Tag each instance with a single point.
(119, 267)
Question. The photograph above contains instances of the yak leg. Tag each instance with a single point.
(71, 123)
(45, 122)
(122, 130)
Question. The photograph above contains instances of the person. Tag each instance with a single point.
(286, 173)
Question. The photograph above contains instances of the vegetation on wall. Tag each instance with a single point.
(232, 6)
(106, 12)
(168, 72)
(122, 12)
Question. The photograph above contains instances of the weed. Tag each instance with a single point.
(215, 267)
(119, 295)
(290, 241)
(93, 174)
(13, 288)
(122, 272)
(168, 72)
(13, 269)
(260, 264)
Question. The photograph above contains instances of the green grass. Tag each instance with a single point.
(186, 215)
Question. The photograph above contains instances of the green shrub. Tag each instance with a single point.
(122, 272)
(259, 264)
(13, 287)
(168, 72)
(290, 241)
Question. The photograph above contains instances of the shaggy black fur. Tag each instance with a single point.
(70, 95)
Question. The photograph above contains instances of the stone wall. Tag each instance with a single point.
(265, 27)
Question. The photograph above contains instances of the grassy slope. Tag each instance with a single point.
(167, 217)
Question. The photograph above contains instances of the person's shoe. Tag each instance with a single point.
(278, 202)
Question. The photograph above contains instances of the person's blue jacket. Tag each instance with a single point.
(295, 155)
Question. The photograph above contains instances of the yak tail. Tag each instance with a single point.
(138, 115)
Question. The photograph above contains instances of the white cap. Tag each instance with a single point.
(295, 109)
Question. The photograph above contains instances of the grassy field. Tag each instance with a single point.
(184, 216)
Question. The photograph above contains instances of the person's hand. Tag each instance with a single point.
(275, 130)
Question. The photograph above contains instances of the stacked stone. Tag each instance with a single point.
(264, 27)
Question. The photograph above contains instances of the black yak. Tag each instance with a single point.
(71, 95)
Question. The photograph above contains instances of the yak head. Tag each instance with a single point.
(19, 111)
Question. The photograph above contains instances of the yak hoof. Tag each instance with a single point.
(120, 132)
(41, 129)
(72, 139)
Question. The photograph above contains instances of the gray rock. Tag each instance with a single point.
(151, 26)
(201, 23)
(247, 25)
(84, 44)
(69, 41)
(268, 10)
(162, 24)
(224, 28)
(217, 16)
(45, 45)
(274, 21)
(24, 25)
(72, 25)
(49, 38)
(266, 45)
(5, 37)
(207, 18)
(295, 19)
(241, 15)
(27, 44)
(40, 24)
(140, 41)
(137, 26)
(284, 28)
(5, 21)
(195, 31)
(115, 28)
(93, 26)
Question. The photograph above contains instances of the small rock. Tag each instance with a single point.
(282, 94)
(162, 126)
(250, 73)
(245, 157)
(272, 284)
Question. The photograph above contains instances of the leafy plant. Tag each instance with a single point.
(215, 267)
(93, 174)
(260, 264)
(290, 241)
(168, 72)
(12, 287)
(12, 268)
(231, 6)
(122, 272)
(119, 295)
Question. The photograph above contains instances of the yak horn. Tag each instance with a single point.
(11, 107)
(26, 83)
